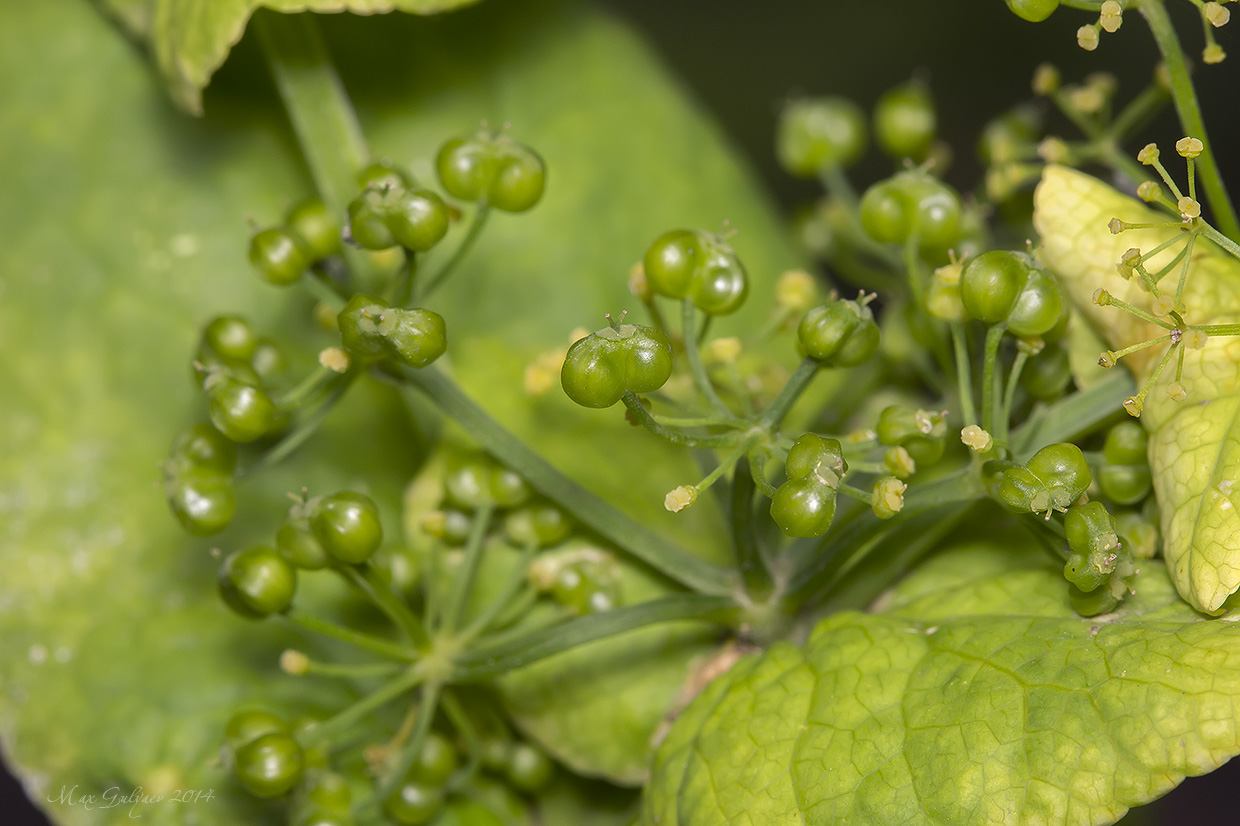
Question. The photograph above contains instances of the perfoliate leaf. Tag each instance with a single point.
(980, 697)
(1194, 445)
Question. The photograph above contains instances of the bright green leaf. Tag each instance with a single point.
(979, 697)
(1194, 446)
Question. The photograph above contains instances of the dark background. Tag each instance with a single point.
(741, 60)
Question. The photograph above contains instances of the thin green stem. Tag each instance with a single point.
(483, 622)
(749, 560)
(1139, 111)
(298, 436)
(643, 417)
(699, 421)
(625, 533)
(693, 355)
(1189, 111)
(366, 642)
(476, 225)
(348, 717)
(364, 580)
(1228, 245)
(351, 672)
(491, 660)
(397, 768)
(789, 393)
(990, 381)
(318, 289)
(1009, 394)
(1217, 329)
(463, 583)
(964, 373)
(1073, 415)
(311, 386)
(320, 111)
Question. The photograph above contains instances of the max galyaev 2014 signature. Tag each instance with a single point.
(116, 797)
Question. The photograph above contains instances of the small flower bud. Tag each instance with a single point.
(1087, 100)
(1164, 305)
(1216, 14)
(1112, 16)
(334, 359)
(1046, 80)
(1149, 192)
(1106, 360)
(1176, 391)
(1148, 154)
(888, 497)
(1087, 37)
(1189, 147)
(1053, 150)
(1116, 226)
(1133, 405)
(294, 662)
(680, 498)
(1195, 339)
(1213, 53)
(724, 350)
(1102, 298)
(434, 523)
(899, 463)
(796, 290)
(976, 439)
(1189, 208)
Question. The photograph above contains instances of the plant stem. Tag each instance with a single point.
(463, 583)
(371, 702)
(540, 643)
(1073, 415)
(476, 225)
(693, 354)
(1186, 106)
(396, 769)
(295, 438)
(320, 111)
(485, 620)
(639, 412)
(364, 580)
(366, 642)
(625, 533)
(1009, 395)
(749, 561)
(789, 393)
(990, 384)
(964, 374)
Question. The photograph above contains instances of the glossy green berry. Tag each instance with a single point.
(671, 261)
(204, 448)
(418, 220)
(203, 501)
(912, 204)
(494, 753)
(468, 485)
(1035, 11)
(245, 727)
(923, 433)
(268, 360)
(539, 524)
(229, 338)
(817, 133)
(839, 334)
(414, 804)
(347, 525)
(1040, 307)
(803, 507)
(257, 582)
(328, 791)
(601, 367)
(455, 527)
(582, 587)
(495, 169)
(316, 227)
(299, 545)
(1047, 375)
(383, 175)
(905, 121)
(278, 256)
(371, 330)
(269, 766)
(721, 284)
(241, 411)
(1010, 136)
(1125, 476)
(367, 225)
(528, 769)
(1053, 479)
(991, 283)
(887, 212)
(508, 488)
(435, 763)
(817, 457)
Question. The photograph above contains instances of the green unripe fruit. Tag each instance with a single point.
(839, 334)
(520, 181)
(887, 212)
(204, 448)
(991, 283)
(316, 227)
(529, 770)
(816, 457)
(1035, 11)
(245, 727)
(539, 525)
(418, 219)
(371, 330)
(817, 133)
(347, 525)
(1047, 375)
(601, 367)
(435, 763)
(1039, 308)
(270, 766)
(1053, 479)
(803, 507)
(468, 813)
(905, 122)
(383, 175)
(229, 338)
(278, 256)
(1126, 444)
(923, 433)
(257, 582)
(495, 169)
(241, 411)
(203, 501)
(671, 262)
(299, 545)
(414, 804)
(1125, 477)
(368, 212)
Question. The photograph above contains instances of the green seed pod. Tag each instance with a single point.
(817, 133)
(905, 121)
